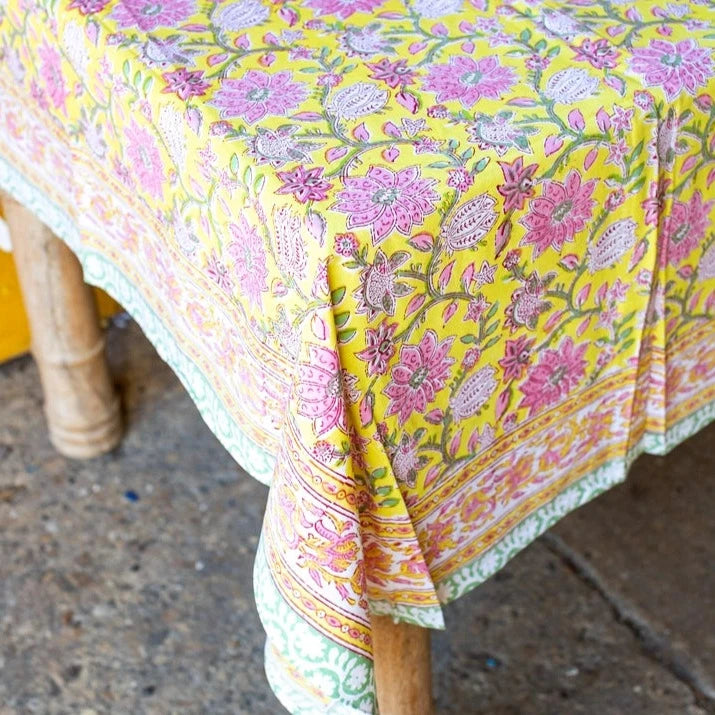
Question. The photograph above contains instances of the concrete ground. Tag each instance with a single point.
(125, 581)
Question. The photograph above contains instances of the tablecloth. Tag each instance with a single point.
(436, 270)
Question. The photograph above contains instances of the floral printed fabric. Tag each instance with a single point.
(446, 266)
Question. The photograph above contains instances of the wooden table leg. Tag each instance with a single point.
(81, 405)
(403, 672)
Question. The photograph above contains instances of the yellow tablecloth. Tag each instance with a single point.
(437, 270)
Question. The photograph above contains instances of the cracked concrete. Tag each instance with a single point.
(125, 581)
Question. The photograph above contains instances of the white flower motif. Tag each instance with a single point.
(470, 223)
(436, 8)
(290, 250)
(14, 64)
(185, 237)
(311, 645)
(676, 10)
(474, 393)
(358, 100)
(239, 15)
(612, 244)
(363, 42)
(173, 129)
(93, 137)
(485, 274)
(75, 46)
(357, 677)
(571, 85)
(706, 269)
(325, 682)
(560, 24)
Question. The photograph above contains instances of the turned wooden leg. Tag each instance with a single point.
(80, 403)
(403, 672)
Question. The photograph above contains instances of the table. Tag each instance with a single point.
(436, 271)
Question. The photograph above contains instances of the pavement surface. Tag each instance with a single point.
(125, 581)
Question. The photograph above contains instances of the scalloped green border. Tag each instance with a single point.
(345, 678)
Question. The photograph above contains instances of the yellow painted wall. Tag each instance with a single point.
(14, 331)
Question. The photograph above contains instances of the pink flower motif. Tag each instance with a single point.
(122, 173)
(468, 81)
(185, 84)
(299, 53)
(379, 288)
(622, 118)
(385, 200)
(88, 7)
(393, 74)
(405, 461)
(537, 62)
(599, 53)
(218, 273)
(320, 286)
(380, 348)
(460, 179)
(497, 39)
(344, 8)
(485, 274)
(518, 183)
(196, 313)
(147, 16)
(259, 94)
(559, 213)
(617, 153)
(425, 145)
(358, 447)
(438, 111)
(653, 205)
(673, 66)
(644, 100)
(618, 290)
(249, 257)
(615, 199)
(323, 451)
(423, 371)
(486, 24)
(471, 357)
(556, 374)
(39, 95)
(306, 184)
(684, 228)
(51, 72)
(517, 357)
(526, 303)
(144, 159)
(476, 308)
(345, 244)
(219, 128)
(608, 316)
(330, 80)
(511, 260)
(324, 388)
